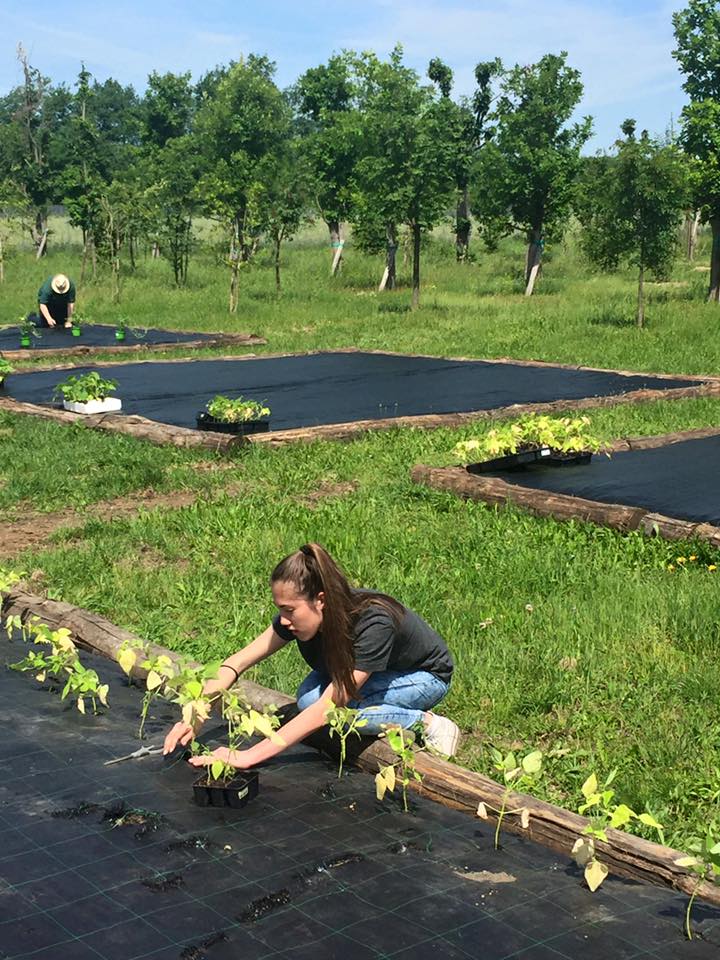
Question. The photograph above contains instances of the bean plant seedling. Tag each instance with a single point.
(243, 721)
(704, 862)
(85, 388)
(344, 721)
(61, 664)
(402, 770)
(236, 411)
(563, 434)
(604, 815)
(517, 777)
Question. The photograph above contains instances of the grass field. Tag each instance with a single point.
(569, 637)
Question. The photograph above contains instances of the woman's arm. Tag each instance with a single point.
(231, 668)
(295, 730)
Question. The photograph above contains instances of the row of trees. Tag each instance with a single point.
(365, 141)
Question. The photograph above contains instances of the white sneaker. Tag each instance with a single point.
(442, 735)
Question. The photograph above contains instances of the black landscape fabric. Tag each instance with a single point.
(313, 389)
(95, 335)
(116, 863)
(679, 480)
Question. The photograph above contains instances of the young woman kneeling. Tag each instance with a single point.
(365, 649)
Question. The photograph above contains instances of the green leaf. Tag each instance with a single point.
(595, 873)
(532, 763)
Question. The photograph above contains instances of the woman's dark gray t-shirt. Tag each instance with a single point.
(382, 644)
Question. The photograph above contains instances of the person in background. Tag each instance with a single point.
(56, 302)
(365, 650)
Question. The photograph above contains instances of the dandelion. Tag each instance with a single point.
(681, 560)
(671, 567)
(711, 567)
(692, 557)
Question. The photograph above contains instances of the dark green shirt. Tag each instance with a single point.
(381, 644)
(57, 303)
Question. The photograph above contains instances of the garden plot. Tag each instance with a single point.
(101, 338)
(356, 390)
(660, 485)
(116, 861)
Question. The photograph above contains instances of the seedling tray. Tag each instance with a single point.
(544, 457)
(108, 405)
(236, 794)
(207, 422)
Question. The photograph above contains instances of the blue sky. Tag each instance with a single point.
(622, 48)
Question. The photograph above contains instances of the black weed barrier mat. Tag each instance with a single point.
(309, 390)
(95, 335)
(678, 480)
(116, 863)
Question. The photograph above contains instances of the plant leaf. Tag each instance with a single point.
(532, 763)
(482, 811)
(525, 818)
(154, 680)
(127, 660)
(590, 786)
(595, 873)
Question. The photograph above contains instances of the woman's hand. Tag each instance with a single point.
(181, 733)
(236, 758)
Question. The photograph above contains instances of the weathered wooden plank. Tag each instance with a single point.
(442, 781)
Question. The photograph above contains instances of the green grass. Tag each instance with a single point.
(615, 665)
(567, 636)
(477, 310)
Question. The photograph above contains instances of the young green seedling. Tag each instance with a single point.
(518, 777)
(704, 863)
(343, 721)
(402, 771)
(604, 815)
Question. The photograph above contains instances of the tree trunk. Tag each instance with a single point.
(462, 227)
(84, 260)
(234, 259)
(337, 243)
(277, 263)
(389, 276)
(641, 298)
(533, 262)
(714, 291)
(42, 246)
(2, 261)
(692, 222)
(416, 267)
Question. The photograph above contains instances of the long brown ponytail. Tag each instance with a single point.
(311, 570)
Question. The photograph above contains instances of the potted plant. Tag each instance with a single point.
(27, 328)
(221, 784)
(78, 322)
(122, 324)
(5, 369)
(88, 393)
(239, 416)
(550, 441)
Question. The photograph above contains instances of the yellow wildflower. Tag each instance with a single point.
(712, 566)
(681, 559)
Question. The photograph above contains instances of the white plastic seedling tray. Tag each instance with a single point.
(107, 405)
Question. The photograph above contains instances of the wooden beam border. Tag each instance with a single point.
(82, 351)
(561, 506)
(444, 782)
(157, 432)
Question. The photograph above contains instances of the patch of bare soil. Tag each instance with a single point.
(327, 490)
(36, 529)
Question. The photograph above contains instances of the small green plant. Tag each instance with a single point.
(243, 721)
(704, 862)
(27, 326)
(344, 721)
(236, 411)
(86, 387)
(62, 665)
(604, 815)
(79, 321)
(8, 578)
(5, 368)
(122, 324)
(403, 770)
(561, 434)
(519, 777)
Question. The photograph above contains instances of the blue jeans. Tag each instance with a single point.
(389, 697)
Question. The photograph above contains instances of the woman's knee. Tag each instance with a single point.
(310, 690)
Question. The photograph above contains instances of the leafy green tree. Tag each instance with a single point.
(524, 178)
(406, 173)
(326, 101)
(172, 173)
(697, 32)
(631, 205)
(167, 108)
(244, 121)
(470, 132)
(284, 196)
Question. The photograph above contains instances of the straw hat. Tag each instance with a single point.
(60, 283)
